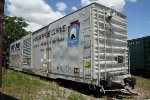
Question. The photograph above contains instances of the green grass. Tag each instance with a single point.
(21, 80)
(143, 82)
(143, 87)
(27, 87)
(20, 85)
(76, 96)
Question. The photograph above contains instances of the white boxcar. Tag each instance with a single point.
(88, 46)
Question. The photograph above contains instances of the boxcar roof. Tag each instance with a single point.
(75, 12)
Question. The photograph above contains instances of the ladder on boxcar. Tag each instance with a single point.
(107, 27)
(103, 39)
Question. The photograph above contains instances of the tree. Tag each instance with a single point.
(14, 29)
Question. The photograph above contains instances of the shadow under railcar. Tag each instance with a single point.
(6, 97)
(84, 89)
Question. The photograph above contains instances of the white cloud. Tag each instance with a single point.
(143, 35)
(36, 12)
(132, 0)
(118, 4)
(74, 8)
(61, 6)
(33, 26)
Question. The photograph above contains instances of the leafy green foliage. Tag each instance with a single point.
(14, 29)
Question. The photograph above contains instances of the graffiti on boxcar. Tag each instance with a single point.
(49, 42)
(50, 33)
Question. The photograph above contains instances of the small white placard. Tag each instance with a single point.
(41, 59)
(44, 55)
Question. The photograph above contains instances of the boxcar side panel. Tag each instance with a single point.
(15, 58)
(39, 45)
(59, 49)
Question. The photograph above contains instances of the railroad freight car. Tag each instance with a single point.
(87, 46)
(140, 55)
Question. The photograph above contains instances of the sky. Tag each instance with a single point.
(38, 13)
